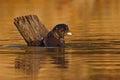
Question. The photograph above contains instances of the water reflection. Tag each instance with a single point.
(31, 62)
(55, 64)
(61, 64)
(92, 53)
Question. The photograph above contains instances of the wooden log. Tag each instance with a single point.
(31, 29)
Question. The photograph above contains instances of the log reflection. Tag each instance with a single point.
(33, 60)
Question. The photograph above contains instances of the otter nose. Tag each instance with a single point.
(69, 33)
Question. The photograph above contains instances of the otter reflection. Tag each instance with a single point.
(35, 59)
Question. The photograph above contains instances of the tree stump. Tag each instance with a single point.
(31, 29)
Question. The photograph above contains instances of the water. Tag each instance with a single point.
(91, 53)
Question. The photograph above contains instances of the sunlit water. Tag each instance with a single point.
(91, 53)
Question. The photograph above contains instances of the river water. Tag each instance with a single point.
(91, 53)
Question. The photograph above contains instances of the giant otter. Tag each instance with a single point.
(55, 38)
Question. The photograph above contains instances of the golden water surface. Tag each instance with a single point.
(91, 53)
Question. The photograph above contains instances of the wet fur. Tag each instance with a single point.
(55, 38)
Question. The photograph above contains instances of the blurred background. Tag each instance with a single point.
(87, 19)
(91, 53)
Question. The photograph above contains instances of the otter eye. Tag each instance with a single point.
(66, 28)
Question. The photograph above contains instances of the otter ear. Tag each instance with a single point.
(56, 28)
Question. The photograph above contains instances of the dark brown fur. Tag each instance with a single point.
(55, 38)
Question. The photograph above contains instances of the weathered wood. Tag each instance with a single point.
(31, 29)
